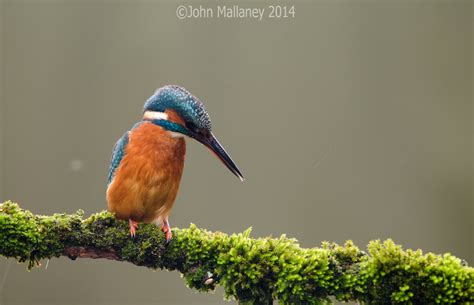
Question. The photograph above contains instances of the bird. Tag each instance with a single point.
(147, 161)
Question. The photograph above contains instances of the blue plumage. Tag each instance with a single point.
(189, 107)
(171, 126)
(117, 155)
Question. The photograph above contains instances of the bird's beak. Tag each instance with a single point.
(211, 142)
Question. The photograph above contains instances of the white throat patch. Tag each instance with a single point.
(176, 134)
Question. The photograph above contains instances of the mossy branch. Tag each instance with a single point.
(253, 271)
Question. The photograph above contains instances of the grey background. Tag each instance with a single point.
(351, 121)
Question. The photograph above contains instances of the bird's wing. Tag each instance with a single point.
(117, 155)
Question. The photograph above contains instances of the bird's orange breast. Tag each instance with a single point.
(147, 180)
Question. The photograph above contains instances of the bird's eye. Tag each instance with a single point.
(191, 126)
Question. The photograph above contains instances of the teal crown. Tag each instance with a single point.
(186, 105)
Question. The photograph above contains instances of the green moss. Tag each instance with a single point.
(19, 235)
(390, 275)
(254, 271)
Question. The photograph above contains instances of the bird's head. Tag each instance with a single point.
(178, 111)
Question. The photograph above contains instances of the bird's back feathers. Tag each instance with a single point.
(117, 156)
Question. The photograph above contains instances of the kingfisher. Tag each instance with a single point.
(147, 161)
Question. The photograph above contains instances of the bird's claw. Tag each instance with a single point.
(167, 230)
(133, 227)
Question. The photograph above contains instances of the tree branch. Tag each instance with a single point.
(253, 271)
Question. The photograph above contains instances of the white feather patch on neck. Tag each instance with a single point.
(175, 134)
(155, 115)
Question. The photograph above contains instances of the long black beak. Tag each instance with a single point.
(211, 142)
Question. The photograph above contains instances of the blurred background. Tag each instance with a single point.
(352, 120)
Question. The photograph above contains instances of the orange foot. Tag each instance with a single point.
(133, 227)
(166, 229)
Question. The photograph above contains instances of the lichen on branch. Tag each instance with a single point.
(253, 271)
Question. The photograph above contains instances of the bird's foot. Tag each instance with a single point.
(166, 228)
(133, 227)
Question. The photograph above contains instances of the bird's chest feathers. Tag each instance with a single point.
(147, 180)
(155, 154)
